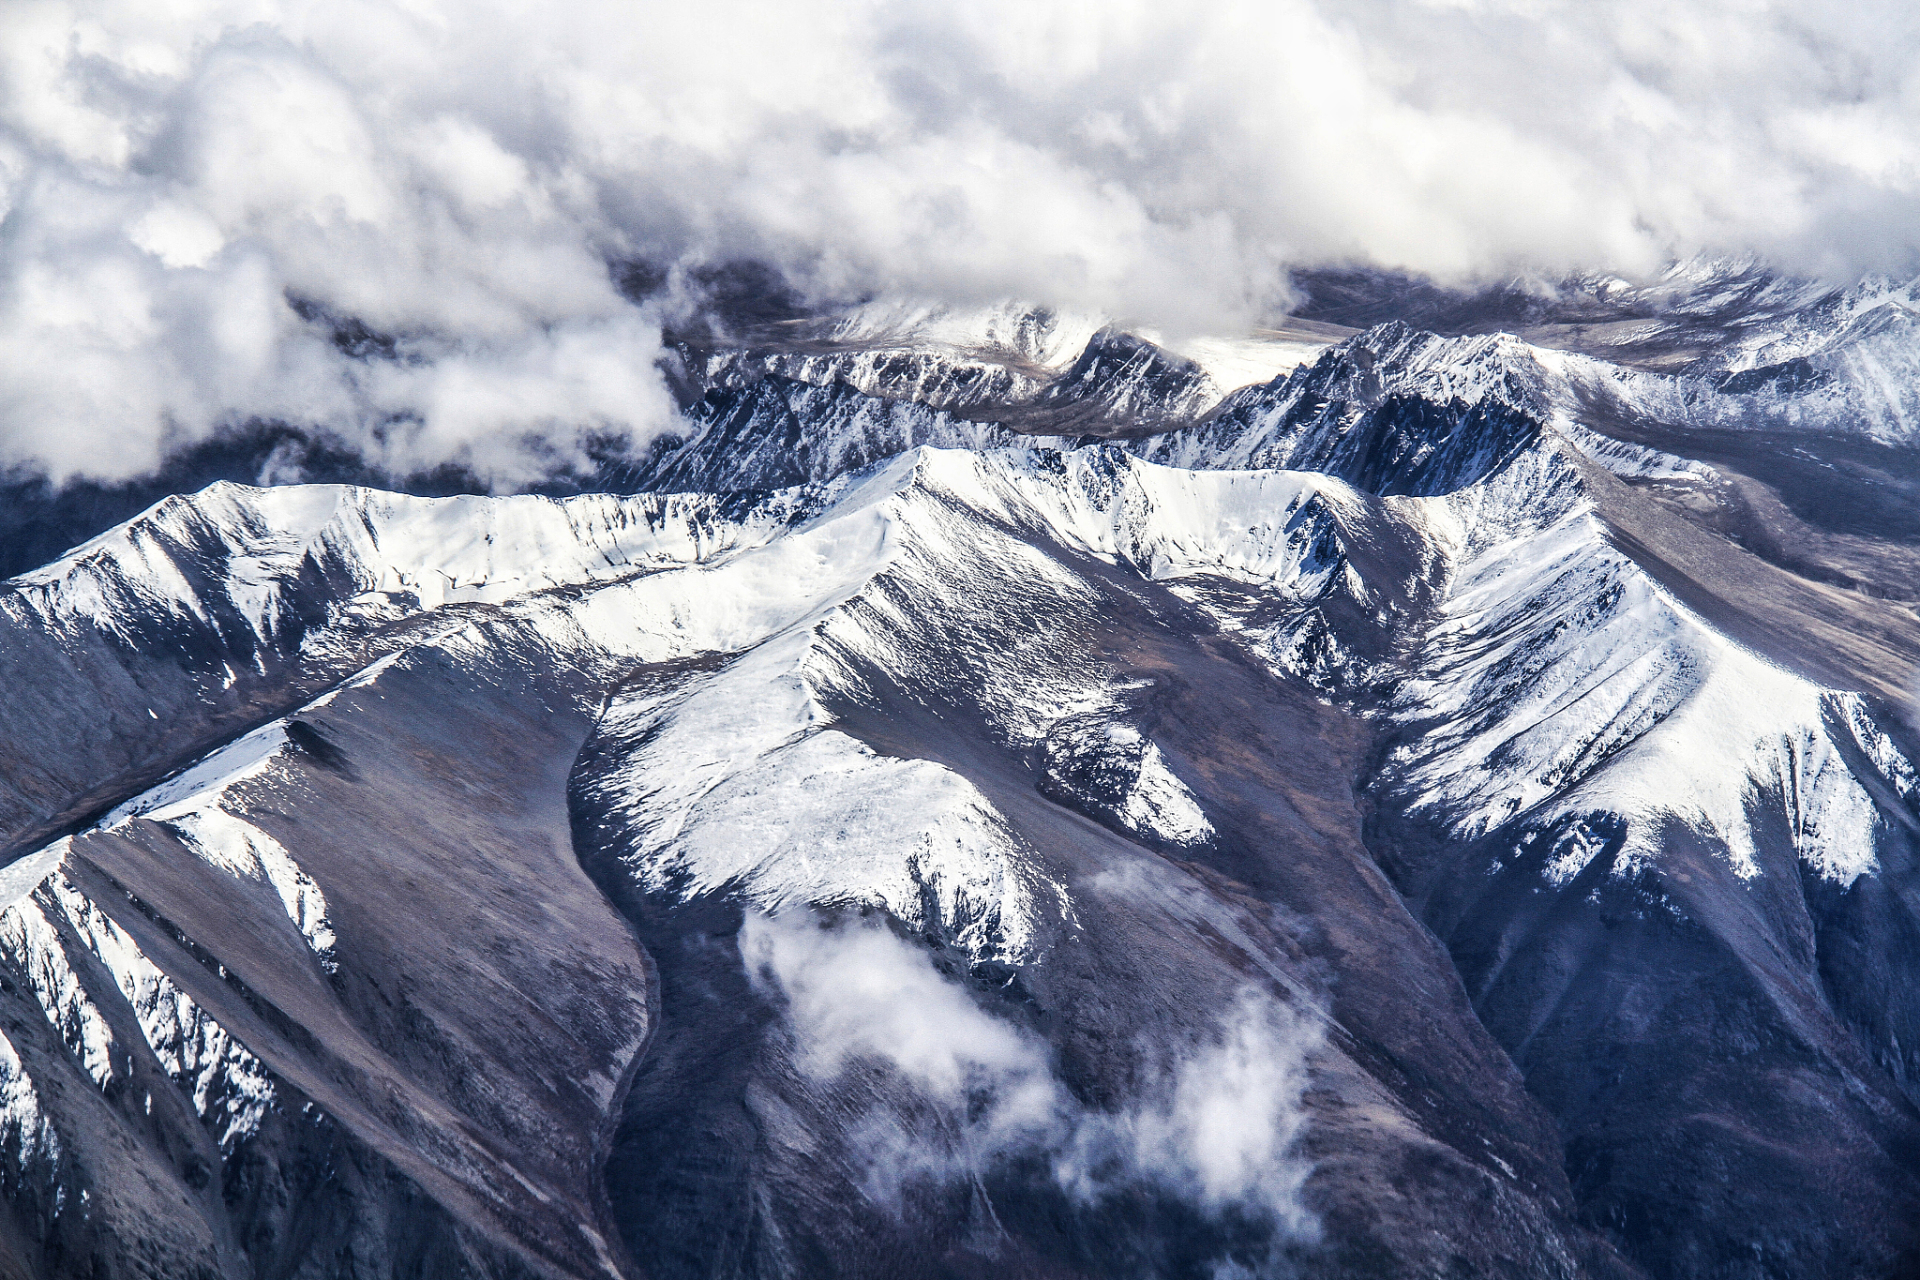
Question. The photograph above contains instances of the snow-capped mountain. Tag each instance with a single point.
(1002, 796)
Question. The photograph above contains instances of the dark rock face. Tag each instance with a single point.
(773, 432)
(1701, 1067)
(1447, 811)
(1119, 385)
(430, 1097)
(1412, 447)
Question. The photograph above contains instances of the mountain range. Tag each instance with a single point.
(1428, 789)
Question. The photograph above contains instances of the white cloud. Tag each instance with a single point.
(179, 235)
(1221, 1128)
(1215, 1122)
(460, 171)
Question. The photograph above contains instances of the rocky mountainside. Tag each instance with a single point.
(996, 795)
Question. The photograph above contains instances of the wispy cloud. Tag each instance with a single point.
(1214, 1123)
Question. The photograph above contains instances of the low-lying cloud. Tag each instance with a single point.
(1214, 1124)
(458, 176)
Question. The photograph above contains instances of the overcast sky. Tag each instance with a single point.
(462, 171)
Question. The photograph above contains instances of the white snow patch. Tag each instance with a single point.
(197, 805)
(1010, 329)
(230, 1087)
(205, 781)
(20, 878)
(1637, 461)
(30, 938)
(1159, 802)
(24, 1126)
(1564, 682)
(740, 784)
(1232, 363)
(242, 849)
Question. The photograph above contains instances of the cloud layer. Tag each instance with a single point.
(459, 174)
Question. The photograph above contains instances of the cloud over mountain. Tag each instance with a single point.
(396, 220)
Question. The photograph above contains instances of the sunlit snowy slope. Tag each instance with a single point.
(1003, 798)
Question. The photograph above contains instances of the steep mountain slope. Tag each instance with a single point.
(1384, 825)
(1644, 843)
